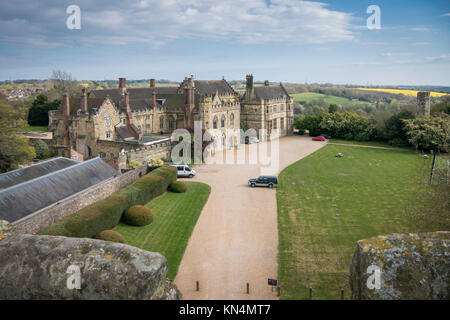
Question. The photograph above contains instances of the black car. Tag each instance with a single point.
(326, 136)
(264, 181)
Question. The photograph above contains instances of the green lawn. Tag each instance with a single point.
(326, 204)
(312, 96)
(37, 128)
(364, 143)
(175, 217)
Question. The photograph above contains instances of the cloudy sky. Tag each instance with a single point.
(279, 40)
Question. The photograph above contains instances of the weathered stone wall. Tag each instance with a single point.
(411, 266)
(423, 103)
(47, 267)
(55, 212)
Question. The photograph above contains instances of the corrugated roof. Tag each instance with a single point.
(22, 199)
(42, 168)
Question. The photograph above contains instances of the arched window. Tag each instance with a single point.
(232, 120)
(215, 122)
(102, 155)
(223, 140)
(161, 122)
(222, 121)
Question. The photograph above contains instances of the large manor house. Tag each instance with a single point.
(126, 124)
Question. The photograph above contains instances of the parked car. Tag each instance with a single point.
(319, 138)
(249, 140)
(326, 136)
(263, 181)
(184, 171)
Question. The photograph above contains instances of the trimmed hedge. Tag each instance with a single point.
(138, 216)
(177, 187)
(106, 214)
(110, 235)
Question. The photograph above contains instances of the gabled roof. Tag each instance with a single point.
(125, 132)
(92, 103)
(42, 168)
(270, 92)
(27, 197)
(210, 87)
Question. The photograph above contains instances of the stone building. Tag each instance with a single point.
(266, 108)
(135, 123)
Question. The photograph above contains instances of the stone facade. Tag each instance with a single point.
(267, 108)
(107, 123)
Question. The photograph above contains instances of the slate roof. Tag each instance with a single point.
(125, 132)
(270, 92)
(27, 197)
(75, 104)
(42, 168)
(210, 87)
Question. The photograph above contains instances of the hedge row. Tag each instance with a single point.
(106, 214)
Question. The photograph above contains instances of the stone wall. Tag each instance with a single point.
(402, 267)
(61, 268)
(423, 103)
(55, 212)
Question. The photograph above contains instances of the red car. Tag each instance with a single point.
(319, 138)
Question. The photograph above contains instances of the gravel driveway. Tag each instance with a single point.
(235, 240)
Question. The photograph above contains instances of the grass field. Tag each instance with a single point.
(404, 92)
(312, 96)
(175, 217)
(364, 143)
(326, 204)
(37, 128)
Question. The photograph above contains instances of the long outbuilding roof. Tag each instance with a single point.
(24, 198)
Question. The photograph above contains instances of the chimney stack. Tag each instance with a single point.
(84, 103)
(66, 105)
(266, 83)
(154, 99)
(127, 102)
(152, 83)
(122, 83)
(249, 81)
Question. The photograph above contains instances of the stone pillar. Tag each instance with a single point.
(84, 103)
(423, 103)
(152, 83)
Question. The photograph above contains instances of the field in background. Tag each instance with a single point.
(313, 96)
(326, 204)
(175, 217)
(404, 92)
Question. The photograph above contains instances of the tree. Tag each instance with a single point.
(63, 83)
(429, 133)
(38, 112)
(395, 128)
(333, 108)
(442, 106)
(14, 149)
(42, 150)
(310, 123)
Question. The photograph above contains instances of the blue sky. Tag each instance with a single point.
(279, 40)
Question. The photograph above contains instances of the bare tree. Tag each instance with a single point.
(63, 82)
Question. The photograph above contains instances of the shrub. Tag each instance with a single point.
(177, 187)
(138, 216)
(156, 162)
(41, 149)
(106, 214)
(348, 136)
(135, 164)
(91, 220)
(110, 235)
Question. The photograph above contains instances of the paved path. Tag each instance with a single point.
(235, 240)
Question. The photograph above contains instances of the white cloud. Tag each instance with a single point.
(446, 14)
(159, 21)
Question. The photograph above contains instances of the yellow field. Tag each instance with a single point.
(405, 92)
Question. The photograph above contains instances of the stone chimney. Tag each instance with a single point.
(66, 105)
(127, 108)
(84, 102)
(249, 81)
(423, 103)
(189, 104)
(152, 83)
(122, 85)
(266, 83)
(154, 99)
